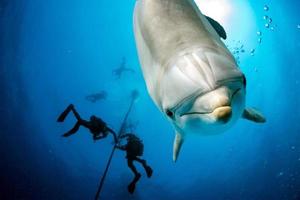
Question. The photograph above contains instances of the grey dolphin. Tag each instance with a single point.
(190, 74)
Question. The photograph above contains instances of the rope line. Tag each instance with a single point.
(123, 126)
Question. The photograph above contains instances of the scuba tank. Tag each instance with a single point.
(135, 146)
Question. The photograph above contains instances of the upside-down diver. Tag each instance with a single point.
(96, 126)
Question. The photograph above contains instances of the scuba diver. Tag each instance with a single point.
(134, 148)
(97, 126)
(120, 70)
(96, 97)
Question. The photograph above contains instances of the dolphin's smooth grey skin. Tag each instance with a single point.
(190, 74)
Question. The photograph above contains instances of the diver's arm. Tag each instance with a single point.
(121, 147)
(125, 135)
(110, 130)
(114, 134)
(98, 137)
(115, 71)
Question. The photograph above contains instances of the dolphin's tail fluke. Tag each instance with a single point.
(177, 145)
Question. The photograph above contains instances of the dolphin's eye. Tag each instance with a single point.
(244, 80)
(170, 113)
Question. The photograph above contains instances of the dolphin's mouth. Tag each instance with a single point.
(196, 113)
(211, 111)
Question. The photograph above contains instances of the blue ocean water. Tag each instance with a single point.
(53, 53)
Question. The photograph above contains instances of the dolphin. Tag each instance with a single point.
(190, 74)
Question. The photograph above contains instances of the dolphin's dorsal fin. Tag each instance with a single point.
(253, 115)
(177, 145)
(218, 27)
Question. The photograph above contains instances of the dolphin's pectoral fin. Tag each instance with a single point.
(253, 115)
(218, 27)
(177, 145)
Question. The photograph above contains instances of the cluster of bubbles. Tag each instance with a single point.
(268, 25)
(268, 20)
(238, 48)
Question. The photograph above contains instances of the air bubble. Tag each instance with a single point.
(259, 40)
(270, 20)
(266, 8)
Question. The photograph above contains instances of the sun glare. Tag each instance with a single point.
(220, 10)
(236, 17)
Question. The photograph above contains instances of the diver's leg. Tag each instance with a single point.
(65, 113)
(147, 168)
(143, 162)
(73, 130)
(93, 100)
(131, 186)
(76, 114)
(132, 167)
(85, 123)
(114, 134)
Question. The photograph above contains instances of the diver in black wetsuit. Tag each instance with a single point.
(134, 148)
(97, 126)
(96, 97)
(120, 70)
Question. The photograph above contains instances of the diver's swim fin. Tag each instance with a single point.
(149, 171)
(131, 186)
(68, 134)
(64, 114)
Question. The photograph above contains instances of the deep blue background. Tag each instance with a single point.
(56, 52)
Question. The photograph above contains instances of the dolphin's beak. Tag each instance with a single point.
(222, 114)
